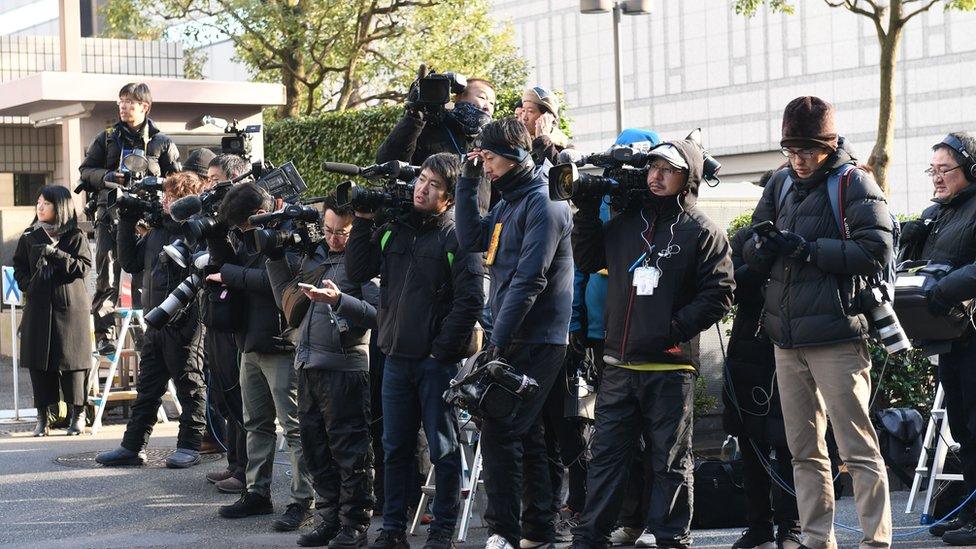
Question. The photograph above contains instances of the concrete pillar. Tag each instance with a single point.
(72, 149)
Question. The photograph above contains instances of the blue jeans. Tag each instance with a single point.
(413, 393)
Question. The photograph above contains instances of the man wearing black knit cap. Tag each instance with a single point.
(826, 249)
(529, 257)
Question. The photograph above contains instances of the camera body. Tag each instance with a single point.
(431, 91)
(237, 142)
(305, 237)
(393, 188)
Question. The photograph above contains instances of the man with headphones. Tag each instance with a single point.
(946, 233)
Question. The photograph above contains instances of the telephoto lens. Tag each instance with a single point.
(174, 302)
(890, 332)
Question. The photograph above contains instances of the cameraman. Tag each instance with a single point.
(224, 379)
(817, 266)
(527, 237)
(174, 351)
(431, 296)
(423, 132)
(102, 166)
(945, 234)
(670, 278)
(269, 383)
(332, 359)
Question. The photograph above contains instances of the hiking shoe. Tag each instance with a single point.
(756, 538)
(216, 476)
(296, 515)
(625, 535)
(961, 536)
(390, 539)
(939, 530)
(497, 542)
(320, 536)
(439, 540)
(249, 505)
(232, 485)
(564, 528)
(646, 540)
(183, 458)
(121, 456)
(788, 538)
(349, 537)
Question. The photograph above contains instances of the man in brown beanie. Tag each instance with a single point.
(832, 234)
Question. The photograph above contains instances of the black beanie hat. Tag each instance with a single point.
(809, 121)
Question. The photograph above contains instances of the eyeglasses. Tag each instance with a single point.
(665, 170)
(121, 102)
(805, 154)
(932, 172)
(338, 234)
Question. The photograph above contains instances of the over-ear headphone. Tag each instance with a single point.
(969, 165)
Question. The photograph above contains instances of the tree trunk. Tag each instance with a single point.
(293, 95)
(889, 43)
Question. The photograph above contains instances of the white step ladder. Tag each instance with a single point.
(937, 439)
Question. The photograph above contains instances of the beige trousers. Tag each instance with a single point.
(833, 380)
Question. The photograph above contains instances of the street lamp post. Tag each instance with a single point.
(618, 7)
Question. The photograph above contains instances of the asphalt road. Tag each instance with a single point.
(47, 504)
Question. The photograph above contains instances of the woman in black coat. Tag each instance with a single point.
(50, 264)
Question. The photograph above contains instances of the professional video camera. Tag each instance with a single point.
(432, 90)
(395, 190)
(142, 194)
(624, 176)
(199, 213)
(238, 143)
(489, 388)
(305, 237)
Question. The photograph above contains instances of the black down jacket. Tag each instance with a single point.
(946, 233)
(813, 302)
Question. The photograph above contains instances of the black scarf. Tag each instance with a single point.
(515, 177)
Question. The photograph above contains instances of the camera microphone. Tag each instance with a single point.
(340, 167)
(185, 208)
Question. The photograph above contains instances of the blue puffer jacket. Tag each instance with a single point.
(590, 296)
(531, 293)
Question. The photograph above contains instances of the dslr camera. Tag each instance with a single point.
(624, 176)
(141, 194)
(392, 188)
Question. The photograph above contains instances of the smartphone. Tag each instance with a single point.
(765, 229)
(306, 286)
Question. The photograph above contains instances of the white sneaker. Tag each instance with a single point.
(497, 542)
(646, 539)
(624, 536)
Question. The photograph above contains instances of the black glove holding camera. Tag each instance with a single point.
(914, 231)
(937, 305)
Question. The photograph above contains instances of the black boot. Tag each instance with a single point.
(76, 423)
(43, 428)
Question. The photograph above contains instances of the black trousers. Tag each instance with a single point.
(565, 446)
(107, 275)
(957, 373)
(333, 416)
(49, 385)
(514, 451)
(766, 502)
(171, 353)
(658, 405)
(224, 385)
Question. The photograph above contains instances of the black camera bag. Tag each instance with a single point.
(914, 280)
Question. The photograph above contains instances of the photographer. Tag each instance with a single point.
(946, 234)
(818, 265)
(670, 278)
(269, 383)
(431, 295)
(224, 372)
(527, 239)
(173, 352)
(540, 114)
(100, 171)
(334, 320)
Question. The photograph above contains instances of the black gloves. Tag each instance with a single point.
(788, 244)
(473, 168)
(493, 353)
(588, 205)
(914, 231)
(113, 179)
(937, 305)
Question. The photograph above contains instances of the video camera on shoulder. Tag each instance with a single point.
(624, 176)
(432, 90)
(393, 188)
(238, 142)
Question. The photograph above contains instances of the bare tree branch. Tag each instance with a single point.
(920, 9)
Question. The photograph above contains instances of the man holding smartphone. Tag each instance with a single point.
(540, 114)
(333, 316)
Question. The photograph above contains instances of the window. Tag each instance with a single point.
(27, 187)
